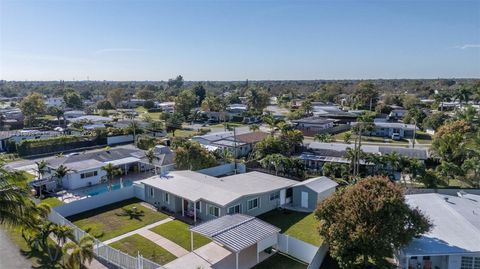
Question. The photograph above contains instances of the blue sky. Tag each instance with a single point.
(238, 40)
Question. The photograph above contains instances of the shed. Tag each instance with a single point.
(307, 194)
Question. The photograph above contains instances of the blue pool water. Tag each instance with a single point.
(104, 188)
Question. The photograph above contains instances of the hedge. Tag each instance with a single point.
(57, 144)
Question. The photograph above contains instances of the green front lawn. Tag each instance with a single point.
(52, 202)
(182, 133)
(179, 233)
(280, 261)
(300, 225)
(149, 250)
(109, 221)
(423, 137)
(230, 124)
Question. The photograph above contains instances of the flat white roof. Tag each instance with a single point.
(122, 161)
(221, 191)
(456, 224)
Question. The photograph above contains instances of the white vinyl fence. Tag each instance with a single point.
(105, 252)
(297, 248)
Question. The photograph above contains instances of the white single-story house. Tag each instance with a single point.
(240, 144)
(166, 106)
(397, 114)
(8, 137)
(85, 169)
(390, 129)
(204, 197)
(54, 102)
(68, 115)
(454, 240)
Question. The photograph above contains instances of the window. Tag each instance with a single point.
(234, 209)
(252, 204)
(198, 206)
(151, 192)
(88, 174)
(167, 198)
(213, 210)
(274, 196)
(467, 263)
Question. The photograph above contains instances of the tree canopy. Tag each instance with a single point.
(191, 155)
(368, 221)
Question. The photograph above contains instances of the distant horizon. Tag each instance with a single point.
(205, 40)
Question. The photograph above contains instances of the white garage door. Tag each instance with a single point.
(304, 199)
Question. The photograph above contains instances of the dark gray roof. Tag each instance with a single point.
(420, 154)
(236, 232)
(314, 120)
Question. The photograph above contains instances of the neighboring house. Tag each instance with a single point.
(54, 102)
(86, 168)
(391, 129)
(242, 144)
(204, 197)
(313, 124)
(166, 106)
(93, 119)
(133, 103)
(454, 240)
(68, 115)
(397, 114)
(10, 138)
(276, 112)
(12, 114)
(321, 153)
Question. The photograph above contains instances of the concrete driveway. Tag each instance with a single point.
(10, 256)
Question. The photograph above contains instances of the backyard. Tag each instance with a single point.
(115, 219)
(179, 233)
(149, 250)
(280, 261)
(371, 139)
(300, 225)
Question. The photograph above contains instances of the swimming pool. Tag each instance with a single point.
(96, 190)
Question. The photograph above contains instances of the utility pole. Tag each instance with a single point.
(235, 148)
(414, 132)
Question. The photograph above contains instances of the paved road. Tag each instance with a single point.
(10, 256)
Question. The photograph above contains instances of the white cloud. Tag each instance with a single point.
(468, 46)
(109, 50)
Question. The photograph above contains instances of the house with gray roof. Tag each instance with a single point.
(239, 144)
(204, 197)
(454, 240)
(85, 169)
(391, 129)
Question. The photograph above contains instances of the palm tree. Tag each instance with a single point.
(76, 254)
(254, 127)
(41, 168)
(60, 173)
(394, 162)
(463, 94)
(13, 202)
(61, 233)
(112, 171)
(150, 155)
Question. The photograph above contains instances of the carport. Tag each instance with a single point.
(238, 232)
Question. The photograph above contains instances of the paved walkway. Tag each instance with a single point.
(164, 243)
(148, 227)
(10, 256)
(154, 237)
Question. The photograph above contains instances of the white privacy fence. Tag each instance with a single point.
(303, 251)
(105, 252)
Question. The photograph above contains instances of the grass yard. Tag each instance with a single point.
(372, 139)
(183, 133)
(280, 261)
(300, 225)
(142, 111)
(137, 243)
(108, 222)
(178, 232)
(52, 202)
(231, 124)
(423, 138)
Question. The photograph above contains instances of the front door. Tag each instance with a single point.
(304, 199)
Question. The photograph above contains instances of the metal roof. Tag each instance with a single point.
(236, 232)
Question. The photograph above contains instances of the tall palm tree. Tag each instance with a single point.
(151, 156)
(463, 94)
(112, 171)
(60, 173)
(41, 168)
(76, 254)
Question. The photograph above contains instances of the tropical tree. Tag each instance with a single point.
(185, 102)
(57, 112)
(346, 137)
(257, 98)
(193, 156)
(13, 199)
(77, 254)
(41, 168)
(293, 139)
(224, 155)
(32, 106)
(111, 171)
(254, 127)
(151, 156)
(354, 222)
(272, 123)
(269, 145)
(326, 138)
(463, 94)
(173, 121)
(60, 172)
